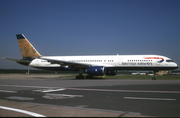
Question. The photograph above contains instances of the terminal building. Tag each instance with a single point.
(164, 72)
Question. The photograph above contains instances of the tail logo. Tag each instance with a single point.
(34, 51)
(26, 47)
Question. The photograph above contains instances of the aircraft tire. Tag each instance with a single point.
(153, 78)
(89, 77)
(79, 77)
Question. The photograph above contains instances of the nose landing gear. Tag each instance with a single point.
(154, 75)
(153, 78)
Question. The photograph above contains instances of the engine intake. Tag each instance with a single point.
(96, 71)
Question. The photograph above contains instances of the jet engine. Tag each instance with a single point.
(96, 71)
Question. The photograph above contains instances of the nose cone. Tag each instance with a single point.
(177, 66)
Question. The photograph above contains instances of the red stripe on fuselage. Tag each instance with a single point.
(153, 58)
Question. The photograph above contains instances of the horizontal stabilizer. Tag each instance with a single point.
(18, 61)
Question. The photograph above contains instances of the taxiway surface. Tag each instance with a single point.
(51, 95)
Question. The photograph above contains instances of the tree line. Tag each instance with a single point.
(31, 71)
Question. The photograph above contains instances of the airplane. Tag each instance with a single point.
(95, 65)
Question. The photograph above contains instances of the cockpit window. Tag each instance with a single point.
(169, 60)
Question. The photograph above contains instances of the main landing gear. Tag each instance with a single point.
(80, 76)
(84, 77)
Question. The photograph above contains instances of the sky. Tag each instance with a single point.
(90, 27)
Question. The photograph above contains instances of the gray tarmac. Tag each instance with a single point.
(52, 95)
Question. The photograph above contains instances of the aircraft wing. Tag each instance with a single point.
(18, 61)
(73, 65)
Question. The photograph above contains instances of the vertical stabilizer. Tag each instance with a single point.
(27, 49)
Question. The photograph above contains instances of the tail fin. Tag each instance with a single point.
(27, 49)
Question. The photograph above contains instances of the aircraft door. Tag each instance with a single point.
(157, 63)
(37, 62)
(120, 60)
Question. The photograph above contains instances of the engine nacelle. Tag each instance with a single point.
(111, 72)
(96, 71)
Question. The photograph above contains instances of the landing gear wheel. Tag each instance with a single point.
(153, 78)
(154, 75)
(89, 77)
(79, 77)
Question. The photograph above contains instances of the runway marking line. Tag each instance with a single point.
(114, 90)
(89, 89)
(65, 95)
(8, 91)
(22, 111)
(19, 98)
(29, 86)
(50, 90)
(137, 98)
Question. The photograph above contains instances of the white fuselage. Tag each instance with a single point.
(114, 62)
